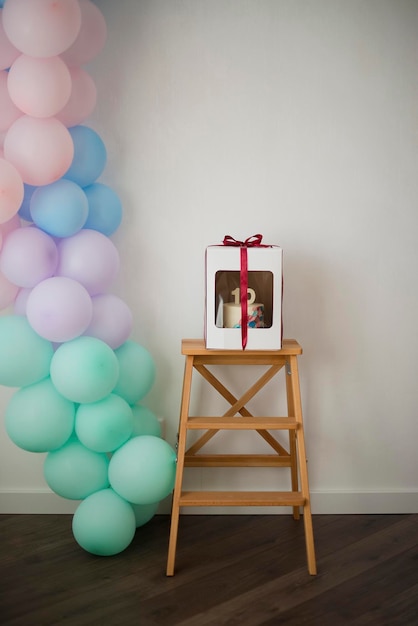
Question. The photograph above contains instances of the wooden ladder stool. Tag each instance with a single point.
(197, 358)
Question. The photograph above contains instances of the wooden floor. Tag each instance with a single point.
(231, 569)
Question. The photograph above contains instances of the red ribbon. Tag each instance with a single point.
(252, 242)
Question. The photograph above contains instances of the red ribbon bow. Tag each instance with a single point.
(252, 242)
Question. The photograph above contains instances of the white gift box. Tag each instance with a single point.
(223, 309)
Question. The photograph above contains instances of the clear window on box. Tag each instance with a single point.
(228, 303)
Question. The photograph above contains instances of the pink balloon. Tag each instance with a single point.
(28, 256)
(42, 28)
(91, 38)
(8, 110)
(111, 321)
(8, 52)
(11, 190)
(59, 309)
(90, 258)
(41, 149)
(8, 292)
(82, 100)
(8, 227)
(39, 87)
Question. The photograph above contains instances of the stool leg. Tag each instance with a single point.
(294, 469)
(307, 514)
(181, 449)
(292, 439)
(294, 388)
(175, 513)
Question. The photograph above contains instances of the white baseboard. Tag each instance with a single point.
(323, 502)
(34, 502)
(361, 502)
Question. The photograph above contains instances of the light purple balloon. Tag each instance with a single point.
(28, 256)
(59, 309)
(111, 321)
(19, 307)
(90, 258)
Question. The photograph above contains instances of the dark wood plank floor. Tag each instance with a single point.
(231, 569)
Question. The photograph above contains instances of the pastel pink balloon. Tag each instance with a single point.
(91, 38)
(41, 149)
(90, 258)
(8, 292)
(39, 87)
(8, 52)
(8, 227)
(28, 256)
(11, 190)
(8, 110)
(111, 321)
(82, 100)
(59, 309)
(42, 28)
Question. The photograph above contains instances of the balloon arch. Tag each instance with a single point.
(66, 347)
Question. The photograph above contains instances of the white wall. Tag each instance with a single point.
(298, 120)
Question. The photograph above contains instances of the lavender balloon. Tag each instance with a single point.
(111, 321)
(28, 256)
(59, 309)
(90, 258)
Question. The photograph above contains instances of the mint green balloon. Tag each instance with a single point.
(75, 472)
(143, 470)
(84, 370)
(38, 418)
(136, 371)
(144, 513)
(145, 422)
(105, 425)
(104, 523)
(25, 357)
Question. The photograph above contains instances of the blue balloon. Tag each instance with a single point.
(24, 210)
(60, 209)
(89, 156)
(105, 209)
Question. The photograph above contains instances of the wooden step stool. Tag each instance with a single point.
(197, 358)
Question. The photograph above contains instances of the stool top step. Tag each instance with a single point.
(290, 347)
